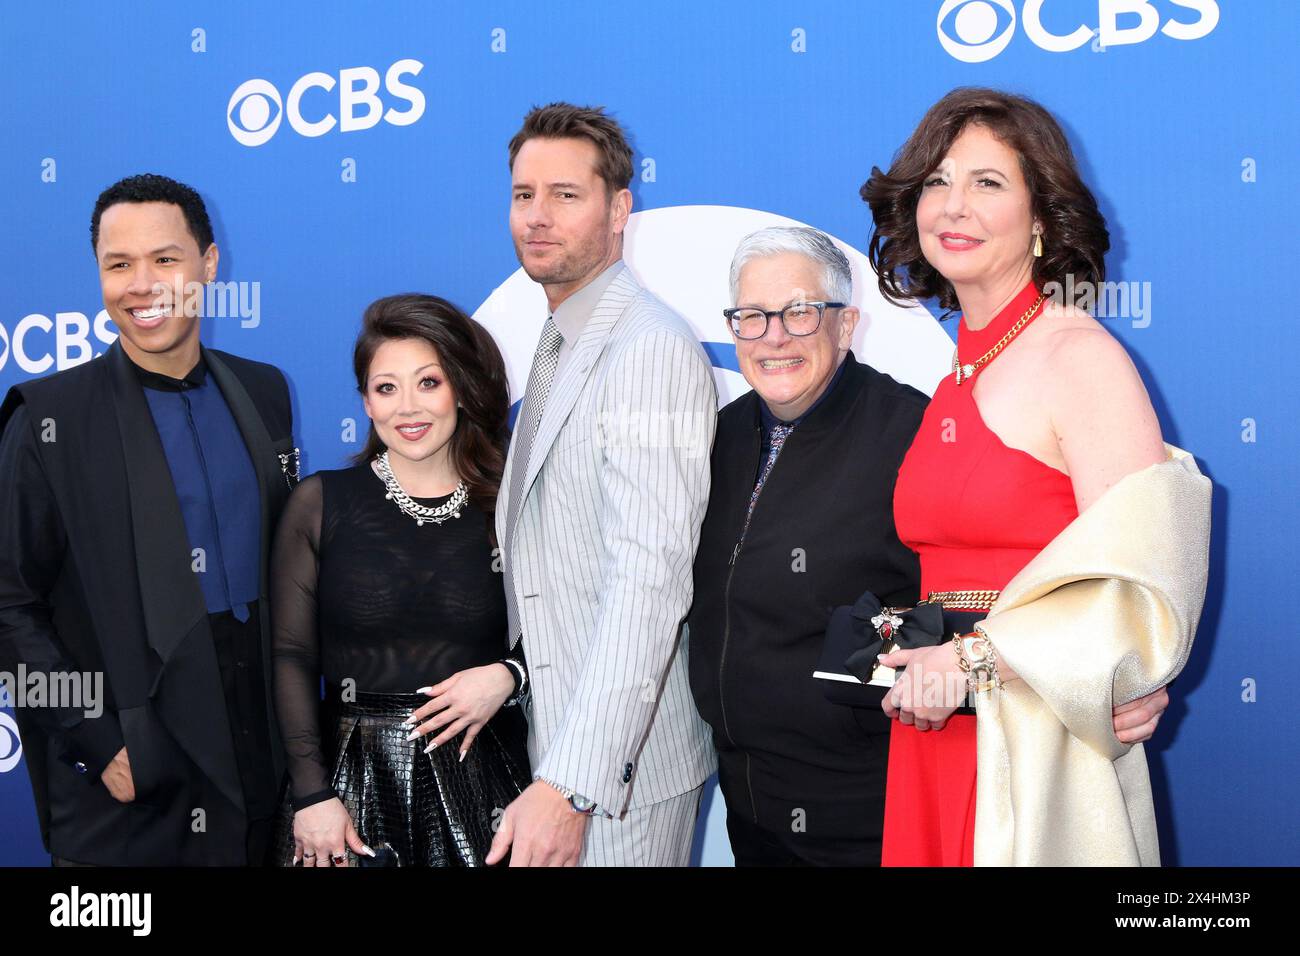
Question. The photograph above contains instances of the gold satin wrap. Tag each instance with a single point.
(1103, 615)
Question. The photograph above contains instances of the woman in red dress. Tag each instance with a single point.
(983, 209)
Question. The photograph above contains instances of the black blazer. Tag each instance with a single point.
(821, 532)
(103, 582)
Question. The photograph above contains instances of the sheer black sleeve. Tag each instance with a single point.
(295, 647)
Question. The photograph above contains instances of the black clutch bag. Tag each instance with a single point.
(848, 669)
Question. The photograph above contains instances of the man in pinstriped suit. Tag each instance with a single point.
(607, 483)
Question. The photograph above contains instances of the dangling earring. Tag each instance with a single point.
(1038, 245)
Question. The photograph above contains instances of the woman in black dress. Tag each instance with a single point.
(386, 579)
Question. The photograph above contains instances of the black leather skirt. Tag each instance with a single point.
(413, 808)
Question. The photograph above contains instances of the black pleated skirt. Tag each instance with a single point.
(413, 808)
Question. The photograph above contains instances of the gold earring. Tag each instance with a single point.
(1038, 245)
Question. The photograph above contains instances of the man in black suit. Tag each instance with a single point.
(138, 497)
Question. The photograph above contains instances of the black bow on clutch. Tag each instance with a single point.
(880, 630)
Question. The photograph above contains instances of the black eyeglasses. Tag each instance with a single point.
(799, 318)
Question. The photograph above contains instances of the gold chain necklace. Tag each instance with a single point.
(968, 371)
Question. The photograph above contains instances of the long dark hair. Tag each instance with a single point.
(475, 370)
(1075, 238)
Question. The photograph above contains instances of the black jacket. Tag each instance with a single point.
(101, 581)
(822, 532)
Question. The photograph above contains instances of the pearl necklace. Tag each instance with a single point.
(449, 509)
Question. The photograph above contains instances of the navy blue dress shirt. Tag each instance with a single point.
(215, 485)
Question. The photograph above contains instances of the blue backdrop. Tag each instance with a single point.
(387, 172)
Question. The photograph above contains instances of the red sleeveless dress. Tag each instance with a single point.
(976, 512)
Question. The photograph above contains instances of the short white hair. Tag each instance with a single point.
(837, 277)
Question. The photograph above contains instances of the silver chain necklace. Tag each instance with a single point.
(449, 509)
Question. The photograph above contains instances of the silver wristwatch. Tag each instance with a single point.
(577, 802)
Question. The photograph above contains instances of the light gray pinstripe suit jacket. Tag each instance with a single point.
(601, 553)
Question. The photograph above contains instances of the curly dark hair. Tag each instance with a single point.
(592, 123)
(475, 370)
(1075, 238)
(150, 187)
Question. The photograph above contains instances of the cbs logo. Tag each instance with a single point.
(11, 745)
(974, 31)
(74, 340)
(256, 110)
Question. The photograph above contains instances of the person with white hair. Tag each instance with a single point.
(800, 520)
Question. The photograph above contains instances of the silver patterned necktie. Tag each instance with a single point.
(775, 442)
(545, 361)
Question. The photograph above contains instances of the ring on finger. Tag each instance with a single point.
(338, 859)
